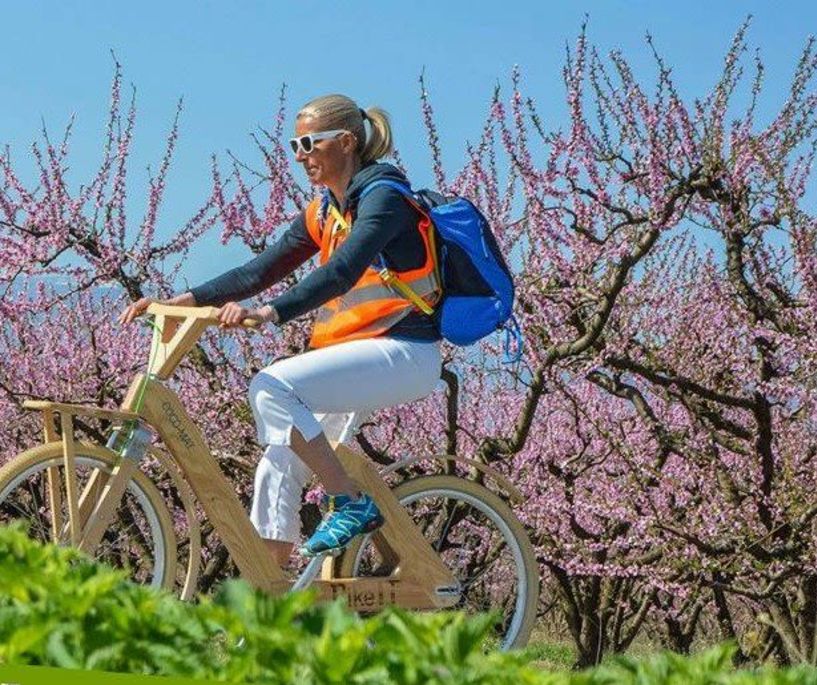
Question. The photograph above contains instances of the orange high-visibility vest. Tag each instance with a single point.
(378, 300)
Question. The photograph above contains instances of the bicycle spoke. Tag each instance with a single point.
(449, 522)
(38, 507)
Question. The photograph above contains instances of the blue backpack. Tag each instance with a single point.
(477, 284)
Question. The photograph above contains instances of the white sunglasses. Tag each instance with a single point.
(306, 143)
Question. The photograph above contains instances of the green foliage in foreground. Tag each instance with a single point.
(59, 609)
(713, 667)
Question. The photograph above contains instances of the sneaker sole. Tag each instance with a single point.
(334, 552)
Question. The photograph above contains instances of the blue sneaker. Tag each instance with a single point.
(345, 518)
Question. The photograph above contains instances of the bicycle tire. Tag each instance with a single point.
(37, 460)
(496, 510)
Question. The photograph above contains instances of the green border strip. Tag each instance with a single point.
(46, 675)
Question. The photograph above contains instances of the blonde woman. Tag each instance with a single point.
(371, 346)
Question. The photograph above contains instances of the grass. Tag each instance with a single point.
(550, 650)
(549, 654)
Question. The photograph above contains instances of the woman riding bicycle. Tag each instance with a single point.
(371, 347)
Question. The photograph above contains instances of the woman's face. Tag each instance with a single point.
(330, 158)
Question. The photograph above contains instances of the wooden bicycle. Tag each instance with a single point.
(447, 541)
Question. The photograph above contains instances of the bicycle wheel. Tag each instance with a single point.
(140, 536)
(479, 540)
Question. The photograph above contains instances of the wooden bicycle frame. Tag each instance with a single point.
(419, 580)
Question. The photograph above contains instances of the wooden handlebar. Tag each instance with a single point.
(208, 314)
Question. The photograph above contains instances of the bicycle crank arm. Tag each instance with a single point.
(313, 568)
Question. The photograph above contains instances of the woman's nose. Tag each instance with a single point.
(300, 155)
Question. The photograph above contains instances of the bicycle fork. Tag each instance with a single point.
(131, 443)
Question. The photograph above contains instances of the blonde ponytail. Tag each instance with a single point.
(379, 143)
(341, 112)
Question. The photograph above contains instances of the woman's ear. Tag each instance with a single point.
(348, 143)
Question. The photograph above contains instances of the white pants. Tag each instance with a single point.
(330, 390)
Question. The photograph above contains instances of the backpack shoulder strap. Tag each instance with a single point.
(402, 188)
(386, 274)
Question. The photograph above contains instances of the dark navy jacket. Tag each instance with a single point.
(383, 223)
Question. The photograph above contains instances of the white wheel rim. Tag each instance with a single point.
(157, 573)
(510, 541)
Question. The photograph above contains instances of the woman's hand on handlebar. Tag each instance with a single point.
(233, 314)
(135, 309)
(140, 306)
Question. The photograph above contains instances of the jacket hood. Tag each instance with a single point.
(374, 171)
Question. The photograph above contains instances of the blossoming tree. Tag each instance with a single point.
(661, 421)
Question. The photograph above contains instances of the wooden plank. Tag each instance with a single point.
(70, 477)
(382, 545)
(419, 563)
(76, 409)
(102, 514)
(54, 480)
(328, 568)
(55, 502)
(177, 329)
(164, 412)
(173, 351)
(172, 340)
(373, 594)
(48, 424)
(91, 494)
(209, 314)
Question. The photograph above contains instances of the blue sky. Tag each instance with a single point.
(228, 60)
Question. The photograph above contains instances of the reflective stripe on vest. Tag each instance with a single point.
(371, 307)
